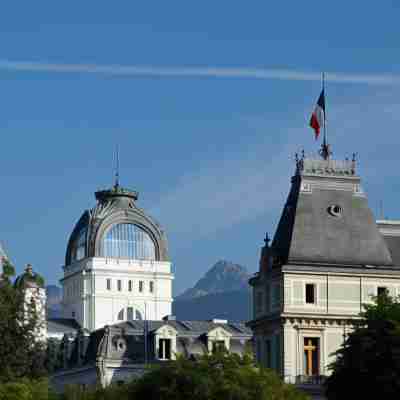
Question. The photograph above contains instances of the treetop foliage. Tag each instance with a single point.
(368, 363)
(21, 355)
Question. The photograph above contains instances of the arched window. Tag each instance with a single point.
(79, 246)
(129, 314)
(128, 241)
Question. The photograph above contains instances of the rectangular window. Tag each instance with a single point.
(129, 315)
(218, 345)
(164, 349)
(141, 286)
(130, 286)
(259, 301)
(268, 357)
(108, 284)
(381, 290)
(276, 296)
(119, 285)
(258, 350)
(151, 287)
(267, 299)
(310, 293)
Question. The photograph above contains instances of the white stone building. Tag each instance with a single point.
(328, 257)
(117, 266)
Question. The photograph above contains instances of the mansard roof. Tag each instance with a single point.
(125, 340)
(184, 327)
(327, 220)
(114, 206)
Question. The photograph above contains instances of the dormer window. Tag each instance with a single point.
(164, 349)
(165, 343)
(218, 345)
(218, 339)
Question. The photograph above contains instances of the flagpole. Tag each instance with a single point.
(325, 152)
(323, 88)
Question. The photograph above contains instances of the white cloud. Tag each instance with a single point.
(227, 193)
(202, 71)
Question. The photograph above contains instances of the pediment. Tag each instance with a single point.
(166, 331)
(218, 333)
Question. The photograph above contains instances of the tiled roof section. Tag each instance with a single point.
(310, 232)
(185, 327)
(62, 325)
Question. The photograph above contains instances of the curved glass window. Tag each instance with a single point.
(128, 241)
(79, 246)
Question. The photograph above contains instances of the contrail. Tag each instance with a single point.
(206, 72)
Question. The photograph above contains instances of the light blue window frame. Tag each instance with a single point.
(128, 241)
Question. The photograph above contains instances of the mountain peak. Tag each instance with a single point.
(223, 276)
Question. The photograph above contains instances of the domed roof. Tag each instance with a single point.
(116, 217)
(29, 279)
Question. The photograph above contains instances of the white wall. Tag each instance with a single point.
(94, 305)
(335, 294)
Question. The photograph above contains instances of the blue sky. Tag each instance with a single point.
(208, 101)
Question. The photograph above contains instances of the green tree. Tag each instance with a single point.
(21, 355)
(212, 377)
(24, 389)
(368, 363)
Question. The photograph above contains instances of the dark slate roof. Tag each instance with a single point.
(62, 326)
(308, 233)
(190, 328)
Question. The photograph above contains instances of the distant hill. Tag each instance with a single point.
(54, 297)
(223, 293)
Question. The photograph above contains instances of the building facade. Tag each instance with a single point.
(328, 257)
(116, 266)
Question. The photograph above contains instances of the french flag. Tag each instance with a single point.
(317, 119)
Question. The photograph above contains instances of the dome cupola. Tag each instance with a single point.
(29, 279)
(117, 228)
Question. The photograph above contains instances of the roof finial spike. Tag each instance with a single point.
(325, 151)
(116, 181)
(267, 239)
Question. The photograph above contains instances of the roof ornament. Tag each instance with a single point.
(29, 269)
(353, 163)
(116, 179)
(267, 239)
